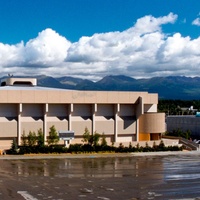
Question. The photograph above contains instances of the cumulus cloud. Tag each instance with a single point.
(143, 50)
(48, 48)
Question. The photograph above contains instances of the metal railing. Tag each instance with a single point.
(188, 144)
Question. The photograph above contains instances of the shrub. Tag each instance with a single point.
(40, 138)
(53, 136)
(31, 139)
(14, 147)
(103, 140)
(23, 139)
(75, 148)
(86, 136)
(96, 138)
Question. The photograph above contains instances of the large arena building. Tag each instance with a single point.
(121, 116)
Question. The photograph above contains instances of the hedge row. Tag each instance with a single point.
(87, 148)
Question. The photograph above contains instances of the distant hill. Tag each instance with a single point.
(171, 87)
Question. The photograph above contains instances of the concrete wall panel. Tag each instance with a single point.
(40, 96)
(82, 110)
(4, 96)
(105, 110)
(60, 110)
(126, 126)
(8, 110)
(78, 126)
(102, 97)
(53, 96)
(113, 97)
(26, 127)
(150, 107)
(152, 123)
(33, 110)
(127, 110)
(103, 125)
(66, 97)
(59, 125)
(14, 96)
(8, 128)
(127, 138)
(90, 97)
(78, 97)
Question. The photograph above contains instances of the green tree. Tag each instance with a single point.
(91, 139)
(103, 140)
(86, 136)
(31, 138)
(40, 138)
(96, 138)
(23, 139)
(53, 136)
(14, 146)
(162, 144)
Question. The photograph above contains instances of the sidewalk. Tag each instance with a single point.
(97, 155)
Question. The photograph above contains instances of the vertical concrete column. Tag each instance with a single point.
(94, 110)
(117, 109)
(139, 112)
(46, 110)
(137, 129)
(19, 124)
(71, 109)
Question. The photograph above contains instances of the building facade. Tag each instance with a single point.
(121, 116)
(184, 123)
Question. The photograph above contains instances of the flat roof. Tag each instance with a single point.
(30, 88)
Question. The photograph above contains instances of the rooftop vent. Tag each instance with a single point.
(19, 82)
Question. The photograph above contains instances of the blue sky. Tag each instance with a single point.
(48, 37)
(23, 19)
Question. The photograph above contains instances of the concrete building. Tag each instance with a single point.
(121, 116)
(184, 123)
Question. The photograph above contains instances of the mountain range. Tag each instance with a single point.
(171, 87)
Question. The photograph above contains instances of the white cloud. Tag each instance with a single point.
(196, 22)
(49, 48)
(143, 50)
(150, 24)
(10, 54)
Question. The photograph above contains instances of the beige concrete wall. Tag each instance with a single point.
(127, 110)
(31, 125)
(104, 125)
(71, 96)
(126, 138)
(8, 128)
(82, 110)
(8, 110)
(109, 139)
(152, 123)
(65, 108)
(79, 124)
(105, 110)
(151, 98)
(59, 125)
(126, 125)
(33, 110)
(5, 144)
(59, 110)
(150, 108)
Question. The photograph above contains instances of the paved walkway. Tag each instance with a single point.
(97, 155)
